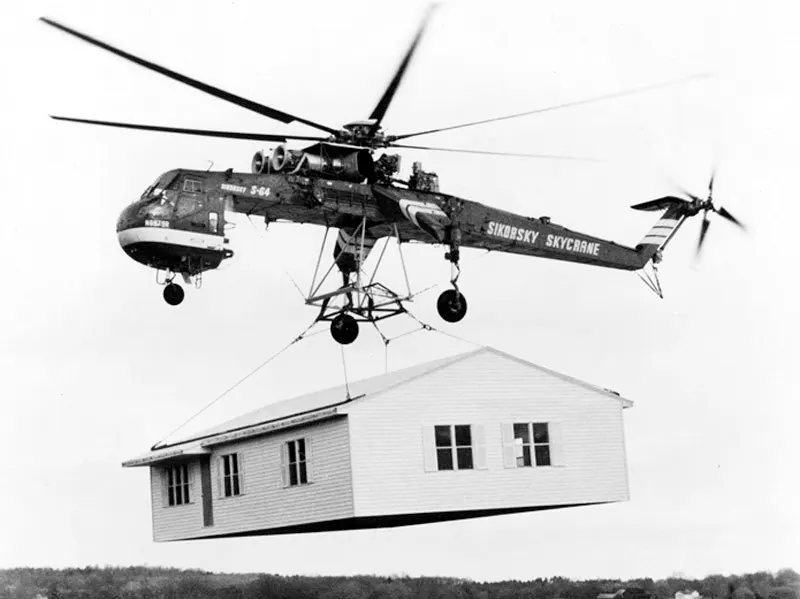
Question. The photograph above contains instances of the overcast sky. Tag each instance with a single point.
(96, 367)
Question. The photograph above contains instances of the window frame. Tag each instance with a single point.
(296, 462)
(192, 185)
(176, 493)
(233, 480)
(455, 449)
(516, 449)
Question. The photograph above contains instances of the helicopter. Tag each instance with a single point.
(178, 225)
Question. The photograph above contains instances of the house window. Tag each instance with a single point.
(177, 484)
(231, 475)
(531, 444)
(296, 464)
(453, 447)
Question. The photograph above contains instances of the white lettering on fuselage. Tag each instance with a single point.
(156, 222)
(233, 188)
(259, 191)
(512, 233)
(579, 246)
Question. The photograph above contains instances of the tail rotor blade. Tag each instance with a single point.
(728, 216)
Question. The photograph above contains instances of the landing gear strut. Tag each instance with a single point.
(452, 305)
(173, 294)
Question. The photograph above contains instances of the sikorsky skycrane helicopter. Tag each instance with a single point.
(178, 224)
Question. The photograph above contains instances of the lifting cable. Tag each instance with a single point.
(300, 337)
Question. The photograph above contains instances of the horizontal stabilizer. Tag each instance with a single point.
(659, 204)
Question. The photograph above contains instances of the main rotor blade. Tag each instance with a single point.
(383, 104)
(514, 154)
(272, 113)
(728, 216)
(703, 230)
(627, 92)
(201, 132)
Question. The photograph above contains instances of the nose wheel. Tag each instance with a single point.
(344, 329)
(173, 294)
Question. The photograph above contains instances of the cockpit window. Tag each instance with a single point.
(165, 181)
(192, 186)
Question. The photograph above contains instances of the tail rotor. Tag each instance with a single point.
(705, 206)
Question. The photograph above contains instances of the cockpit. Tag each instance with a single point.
(168, 180)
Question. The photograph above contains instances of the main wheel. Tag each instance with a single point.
(173, 294)
(344, 329)
(452, 305)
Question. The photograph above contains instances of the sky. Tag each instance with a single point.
(96, 367)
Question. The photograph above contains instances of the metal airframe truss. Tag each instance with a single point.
(364, 299)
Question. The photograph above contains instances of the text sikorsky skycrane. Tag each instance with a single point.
(178, 224)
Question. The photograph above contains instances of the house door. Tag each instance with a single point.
(205, 484)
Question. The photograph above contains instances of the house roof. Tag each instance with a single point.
(335, 396)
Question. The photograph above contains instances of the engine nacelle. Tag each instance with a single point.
(343, 163)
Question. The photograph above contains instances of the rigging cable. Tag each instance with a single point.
(239, 382)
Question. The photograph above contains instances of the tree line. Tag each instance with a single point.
(169, 583)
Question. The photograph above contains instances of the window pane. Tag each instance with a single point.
(522, 431)
(444, 457)
(186, 205)
(463, 435)
(542, 455)
(227, 486)
(292, 475)
(226, 465)
(169, 477)
(234, 464)
(443, 436)
(171, 492)
(236, 485)
(292, 452)
(464, 458)
(540, 432)
(301, 450)
(524, 457)
(178, 475)
(303, 477)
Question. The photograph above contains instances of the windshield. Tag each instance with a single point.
(160, 184)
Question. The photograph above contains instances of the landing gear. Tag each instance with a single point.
(173, 294)
(452, 305)
(344, 329)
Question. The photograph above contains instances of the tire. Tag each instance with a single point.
(344, 329)
(173, 294)
(452, 305)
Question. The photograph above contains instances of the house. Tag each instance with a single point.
(477, 434)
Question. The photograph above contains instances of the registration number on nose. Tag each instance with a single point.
(156, 222)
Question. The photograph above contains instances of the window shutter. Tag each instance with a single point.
(479, 446)
(220, 476)
(241, 472)
(162, 472)
(509, 451)
(556, 444)
(284, 462)
(309, 460)
(429, 448)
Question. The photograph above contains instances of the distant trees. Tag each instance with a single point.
(156, 583)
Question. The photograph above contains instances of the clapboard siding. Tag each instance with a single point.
(484, 389)
(175, 521)
(265, 502)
